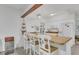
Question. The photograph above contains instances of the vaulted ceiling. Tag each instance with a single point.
(19, 7)
(48, 8)
(74, 7)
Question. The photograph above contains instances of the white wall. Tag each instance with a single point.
(77, 23)
(9, 24)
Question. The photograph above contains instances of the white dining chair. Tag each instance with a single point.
(27, 42)
(45, 47)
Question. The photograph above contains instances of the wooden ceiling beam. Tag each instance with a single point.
(33, 8)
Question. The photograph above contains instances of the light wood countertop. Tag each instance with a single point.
(36, 33)
(55, 38)
(60, 39)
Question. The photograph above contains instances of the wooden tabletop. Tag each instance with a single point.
(60, 39)
(36, 33)
(56, 39)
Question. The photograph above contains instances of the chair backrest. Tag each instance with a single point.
(45, 42)
(32, 43)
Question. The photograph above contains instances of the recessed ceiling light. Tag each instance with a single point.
(39, 15)
(52, 14)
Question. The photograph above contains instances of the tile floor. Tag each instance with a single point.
(17, 51)
(75, 49)
(21, 51)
